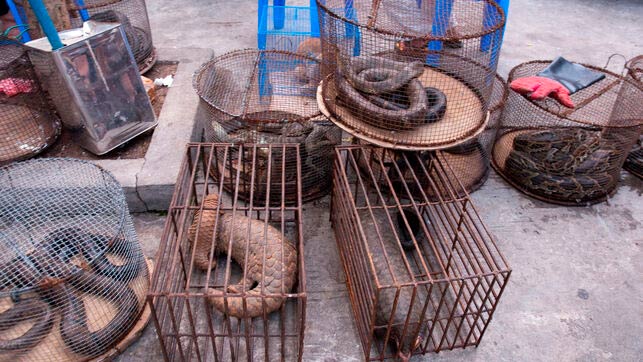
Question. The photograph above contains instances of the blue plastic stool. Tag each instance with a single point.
(17, 17)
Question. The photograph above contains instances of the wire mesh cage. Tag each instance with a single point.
(132, 14)
(469, 162)
(73, 278)
(422, 275)
(230, 282)
(634, 161)
(27, 123)
(267, 97)
(409, 74)
(568, 156)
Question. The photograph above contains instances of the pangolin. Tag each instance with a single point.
(271, 261)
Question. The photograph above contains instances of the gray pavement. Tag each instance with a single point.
(576, 292)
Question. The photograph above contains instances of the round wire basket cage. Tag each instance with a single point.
(409, 75)
(634, 161)
(468, 163)
(28, 124)
(73, 277)
(569, 156)
(132, 14)
(263, 98)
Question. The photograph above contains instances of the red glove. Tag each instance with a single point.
(13, 86)
(541, 87)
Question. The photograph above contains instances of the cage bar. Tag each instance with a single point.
(263, 319)
(634, 161)
(423, 275)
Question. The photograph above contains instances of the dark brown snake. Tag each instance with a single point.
(634, 161)
(61, 287)
(572, 165)
(270, 268)
(388, 93)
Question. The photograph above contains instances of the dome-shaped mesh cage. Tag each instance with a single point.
(73, 278)
(407, 74)
(131, 13)
(564, 155)
(268, 97)
(634, 161)
(468, 163)
(27, 123)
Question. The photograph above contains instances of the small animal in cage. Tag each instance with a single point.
(399, 312)
(573, 164)
(54, 278)
(270, 262)
(309, 71)
(388, 93)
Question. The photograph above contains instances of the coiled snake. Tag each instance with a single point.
(270, 263)
(388, 94)
(572, 165)
(61, 284)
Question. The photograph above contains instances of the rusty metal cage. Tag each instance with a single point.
(131, 13)
(73, 278)
(469, 162)
(407, 74)
(266, 97)
(568, 156)
(230, 281)
(634, 161)
(28, 124)
(422, 275)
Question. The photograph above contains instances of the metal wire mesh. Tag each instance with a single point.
(131, 13)
(568, 156)
(469, 162)
(423, 275)
(229, 283)
(27, 123)
(634, 161)
(73, 278)
(267, 97)
(409, 76)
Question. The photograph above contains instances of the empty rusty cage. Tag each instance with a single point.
(469, 162)
(266, 97)
(261, 246)
(73, 277)
(131, 13)
(28, 124)
(408, 74)
(634, 161)
(568, 156)
(422, 275)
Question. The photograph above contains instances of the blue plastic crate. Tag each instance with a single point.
(273, 34)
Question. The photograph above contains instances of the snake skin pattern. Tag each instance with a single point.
(572, 165)
(271, 261)
(389, 93)
(61, 286)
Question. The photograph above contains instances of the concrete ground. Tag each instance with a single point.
(576, 292)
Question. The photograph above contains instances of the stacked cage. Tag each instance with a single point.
(423, 275)
(569, 156)
(406, 74)
(289, 28)
(267, 97)
(73, 278)
(230, 281)
(469, 162)
(634, 161)
(28, 124)
(132, 14)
